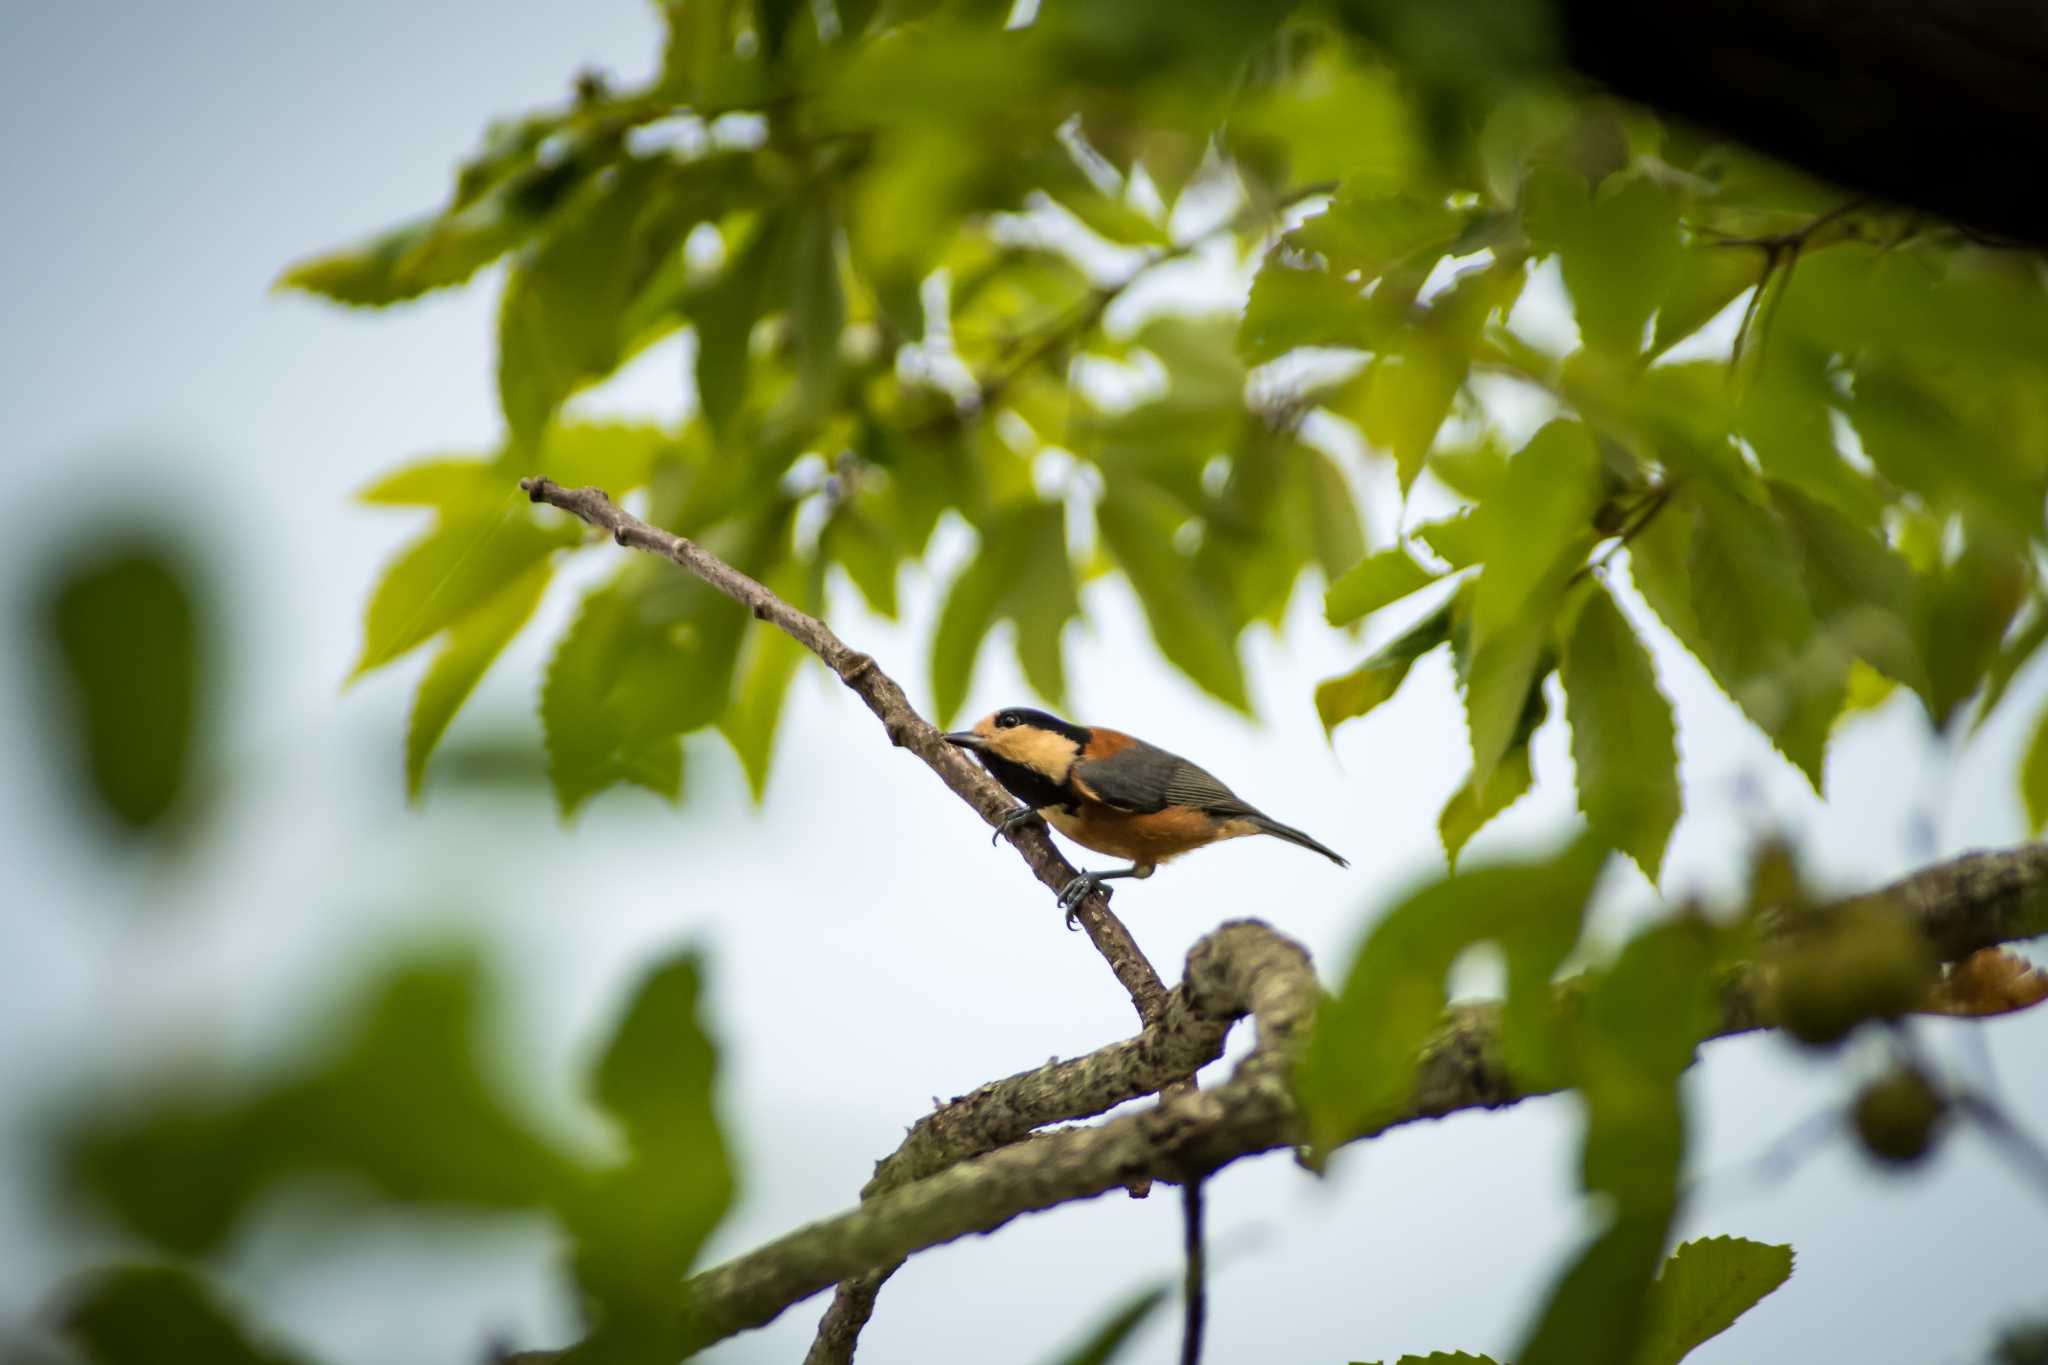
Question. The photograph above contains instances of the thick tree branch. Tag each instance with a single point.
(905, 727)
(1963, 905)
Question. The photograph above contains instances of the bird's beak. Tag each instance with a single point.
(966, 739)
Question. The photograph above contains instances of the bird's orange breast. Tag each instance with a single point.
(1144, 839)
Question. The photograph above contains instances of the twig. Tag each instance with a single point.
(905, 727)
(1195, 1292)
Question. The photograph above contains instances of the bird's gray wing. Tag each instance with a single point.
(1144, 779)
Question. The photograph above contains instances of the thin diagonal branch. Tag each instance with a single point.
(905, 727)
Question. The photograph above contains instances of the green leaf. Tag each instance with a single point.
(1371, 232)
(1968, 603)
(817, 301)
(447, 483)
(1623, 741)
(1021, 572)
(562, 322)
(1191, 627)
(1863, 591)
(1333, 514)
(1359, 1070)
(616, 650)
(1619, 248)
(1705, 1286)
(1472, 807)
(459, 565)
(156, 1315)
(1353, 694)
(183, 1164)
(124, 631)
(1446, 1358)
(1634, 1035)
(769, 660)
(724, 313)
(1383, 577)
(1292, 305)
(467, 652)
(1756, 630)
(639, 1227)
(1536, 530)
(2034, 776)
(1107, 1341)
(1503, 685)
(1705, 280)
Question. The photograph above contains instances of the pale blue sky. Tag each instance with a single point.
(163, 162)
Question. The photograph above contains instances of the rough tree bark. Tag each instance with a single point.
(982, 1159)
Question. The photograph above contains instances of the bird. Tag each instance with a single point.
(1113, 793)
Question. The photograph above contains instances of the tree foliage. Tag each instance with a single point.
(1622, 380)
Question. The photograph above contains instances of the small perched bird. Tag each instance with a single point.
(1114, 793)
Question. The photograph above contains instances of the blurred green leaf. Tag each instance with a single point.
(1293, 305)
(1108, 1340)
(1446, 1358)
(1359, 1069)
(1190, 626)
(1473, 805)
(125, 632)
(1624, 745)
(2034, 776)
(156, 1315)
(1355, 693)
(768, 662)
(1636, 1032)
(181, 1168)
(1863, 591)
(1020, 572)
(562, 322)
(724, 313)
(594, 738)
(639, 1226)
(444, 482)
(1705, 1286)
(1968, 603)
(1383, 577)
(1704, 280)
(467, 652)
(1618, 246)
(465, 561)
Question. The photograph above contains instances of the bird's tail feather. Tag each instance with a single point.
(1267, 825)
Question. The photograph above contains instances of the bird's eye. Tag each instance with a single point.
(1008, 720)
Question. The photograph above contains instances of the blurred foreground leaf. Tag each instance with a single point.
(157, 1315)
(127, 639)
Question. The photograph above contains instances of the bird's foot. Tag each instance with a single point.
(1074, 893)
(1023, 815)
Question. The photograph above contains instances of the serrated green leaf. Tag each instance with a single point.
(124, 629)
(1503, 681)
(1967, 604)
(1624, 745)
(1190, 626)
(1756, 627)
(1786, 416)
(1359, 1069)
(596, 735)
(1381, 578)
(1458, 541)
(1293, 305)
(1368, 231)
(1107, 1341)
(1536, 531)
(467, 652)
(562, 321)
(2013, 655)
(1618, 245)
(1353, 694)
(463, 562)
(1863, 591)
(1705, 280)
(1705, 1286)
(769, 660)
(1471, 807)
(155, 1315)
(1404, 400)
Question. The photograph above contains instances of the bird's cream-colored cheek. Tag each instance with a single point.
(1036, 749)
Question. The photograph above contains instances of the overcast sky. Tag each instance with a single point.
(868, 950)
